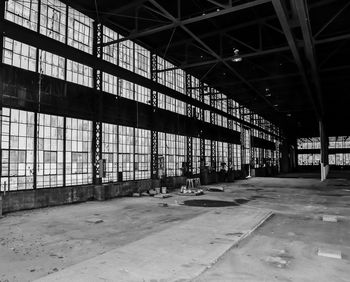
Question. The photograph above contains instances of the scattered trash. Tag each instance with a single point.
(164, 205)
(136, 194)
(145, 194)
(158, 190)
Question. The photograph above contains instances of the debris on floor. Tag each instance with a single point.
(191, 191)
(136, 195)
(215, 188)
(152, 192)
(329, 253)
(94, 220)
(330, 218)
(164, 205)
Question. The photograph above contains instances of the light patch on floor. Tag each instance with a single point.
(329, 253)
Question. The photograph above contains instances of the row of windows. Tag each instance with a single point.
(69, 26)
(23, 56)
(64, 151)
(334, 142)
(341, 159)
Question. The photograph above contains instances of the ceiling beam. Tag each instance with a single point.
(178, 22)
(331, 20)
(281, 14)
(214, 54)
(129, 6)
(309, 47)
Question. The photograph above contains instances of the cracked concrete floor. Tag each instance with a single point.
(35, 243)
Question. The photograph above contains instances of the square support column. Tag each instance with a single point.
(324, 152)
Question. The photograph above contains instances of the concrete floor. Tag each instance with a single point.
(36, 243)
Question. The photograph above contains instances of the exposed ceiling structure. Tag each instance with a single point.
(296, 65)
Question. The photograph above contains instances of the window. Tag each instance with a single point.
(17, 148)
(80, 28)
(142, 61)
(78, 151)
(126, 89)
(51, 64)
(161, 154)
(50, 151)
(170, 148)
(110, 83)
(237, 161)
(126, 55)
(142, 94)
(110, 52)
(126, 152)
(181, 153)
(207, 152)
(180, 81)
(18, 54)
(196, 157)
(24, 13)
(79, 73)
(142, 154)
(110, 151)
(53, 19)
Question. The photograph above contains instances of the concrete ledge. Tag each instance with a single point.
(41, 198)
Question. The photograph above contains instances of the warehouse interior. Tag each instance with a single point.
(138, 111)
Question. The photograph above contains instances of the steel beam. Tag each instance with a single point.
(331, 20)
(213, 53)
(309, 48)
(178, 22)
(281, 14)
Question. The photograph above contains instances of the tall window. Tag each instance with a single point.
(78, 151)
(207, 150)
(126, 55)
(53, 19)
(126, 152)
(237, 161)
(170, 154)
(161, 154)
(110, 52)
(180, 154)
(80, 28)
(17, 149)
(142, 154)
(50, 151)
(18, 54)
(110, 151)
(142, 61)
(196, 155)
(24, 13)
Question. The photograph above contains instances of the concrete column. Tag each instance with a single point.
(324, 152)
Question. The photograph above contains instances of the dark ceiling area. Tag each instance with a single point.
(295, 66)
